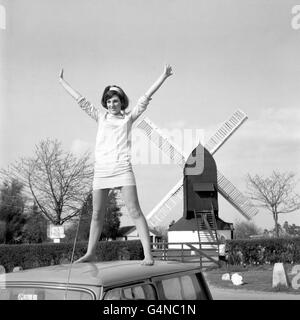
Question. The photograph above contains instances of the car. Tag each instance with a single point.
(110, 280)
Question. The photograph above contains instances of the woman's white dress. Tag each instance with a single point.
(112, 166)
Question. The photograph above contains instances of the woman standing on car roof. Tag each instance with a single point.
(113, 167)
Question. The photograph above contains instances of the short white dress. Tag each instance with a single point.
(112, 167)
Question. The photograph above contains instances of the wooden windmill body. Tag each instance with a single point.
(223, 186)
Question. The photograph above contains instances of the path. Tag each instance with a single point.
(244, 294)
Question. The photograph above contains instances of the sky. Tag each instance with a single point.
(226, 55)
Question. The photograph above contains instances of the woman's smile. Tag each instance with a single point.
(114, 105)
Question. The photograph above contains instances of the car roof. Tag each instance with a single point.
(108, 273)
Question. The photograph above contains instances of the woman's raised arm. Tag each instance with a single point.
(144, 100)
(156, 85)
(85, 105)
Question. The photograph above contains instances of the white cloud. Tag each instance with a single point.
(79, 147)
(271, 141)
(274, 125)
(177, 124)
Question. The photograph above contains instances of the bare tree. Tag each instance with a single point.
(58, 181)
(246, 229)
(274, 193)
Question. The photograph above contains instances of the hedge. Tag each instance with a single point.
(254, 251)
(38, 255)
(264, 251)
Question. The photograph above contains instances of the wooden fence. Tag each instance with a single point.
(206, 253)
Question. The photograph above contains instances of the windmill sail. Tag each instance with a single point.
(235, 197)
(225, 131)
(161, 141)
(163, 208)
(225, 187)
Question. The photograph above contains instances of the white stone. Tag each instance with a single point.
(2, 269)
(226, 276)
(237, 279)
(280, 276)
(16, 269)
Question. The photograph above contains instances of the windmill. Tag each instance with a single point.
(225, 187)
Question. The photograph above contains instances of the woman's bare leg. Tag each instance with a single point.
(130, 198)
(99, 208)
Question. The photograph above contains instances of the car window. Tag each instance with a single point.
(185, 287)
(136, 292)
(188, 288)
(34, 293)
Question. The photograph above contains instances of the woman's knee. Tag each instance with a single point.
(132, 202)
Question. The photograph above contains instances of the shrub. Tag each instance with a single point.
(38, 255)
(263, 251)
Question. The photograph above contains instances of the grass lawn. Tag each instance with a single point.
(258, 278)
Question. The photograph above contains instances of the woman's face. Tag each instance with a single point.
(114, 105)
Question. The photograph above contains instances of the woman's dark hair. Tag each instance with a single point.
(109, 93)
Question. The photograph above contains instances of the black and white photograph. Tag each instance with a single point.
(149, 150)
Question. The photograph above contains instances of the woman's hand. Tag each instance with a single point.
(156, 85)
(167, 71)
(76, 95)
(61, 75)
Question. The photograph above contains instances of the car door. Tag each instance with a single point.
(182, 286)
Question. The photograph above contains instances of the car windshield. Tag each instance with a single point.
(40, 293)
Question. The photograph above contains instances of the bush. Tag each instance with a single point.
(38, 255)
(263, 251)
